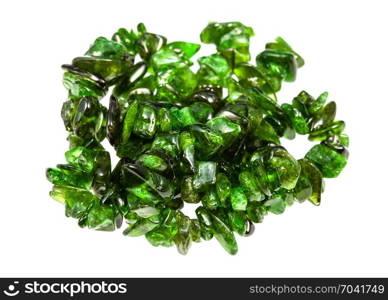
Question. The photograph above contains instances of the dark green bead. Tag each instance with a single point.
(129, 121)
(188, 193)
(298, 122)
(324, 132)
(90, 119)
(153, 162)
(276, 204)
(302, 102)
(164, 234)
(149, 43)
(223, 187)
(68, 175)
(213, 32)
(256, 211)
(324, 116)
(280, 63)
(183, 238)
(81, 86)
(175, 84)
(77, 200)
(187, 49)
(167, 58)
(195, 231)
(282, 45)
(142, 226)
(205, 174)
(104, 48)
(126, 38)
(316, 106)
(226, 128)
(205, 222)
(101, 217)
(310, 183)
(213, 69)
(145, 123)
(201, 111)
(224, 235)
(238, 199)
(210, 199)
(102, 170)
(327, 160)
(207, 141)
(68, 111)
(238, 222)
(187, 146)
(82, 158)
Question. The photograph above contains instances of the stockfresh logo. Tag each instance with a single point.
(12, 289)
(70, 289)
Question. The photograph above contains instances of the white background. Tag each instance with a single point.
(345, 47)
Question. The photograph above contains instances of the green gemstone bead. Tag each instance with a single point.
(145, 124)
(77, 200)
(90, 119)
(223, 187)
(280, 63)
(108, 69)
(237, 221)
(224, 235)
(104, 48)
(298, 122)
(310, 183)
(213, 69)
(187, 49)
(327, 160)
(256, 211)
(101, 218)
(205, 222)
(282, 45)
(183, 238)
(81, 157)
(229, 130)
(238, 199)
(126, 38)
(210, 200)
(205, 174)
(188, 192)
(80, 86)
(68, 175)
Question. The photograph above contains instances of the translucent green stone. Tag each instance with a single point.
(79, 86)
(238, 199)
(226, 128)
(237, 221)
(280, 63)
(145, 123)
(188, 193)
(224, 235)
(223, 187)
(205, 175)
(67, 175)
(310, 183)
(101, 218)
(213, 69)
(205, 222)
(188, 49)
(256, 212)
(210, 200)
(183, 238)
(108, 69)
(153, 162)
(104, 48)
(327, 160)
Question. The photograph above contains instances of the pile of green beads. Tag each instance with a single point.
(210, 137)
